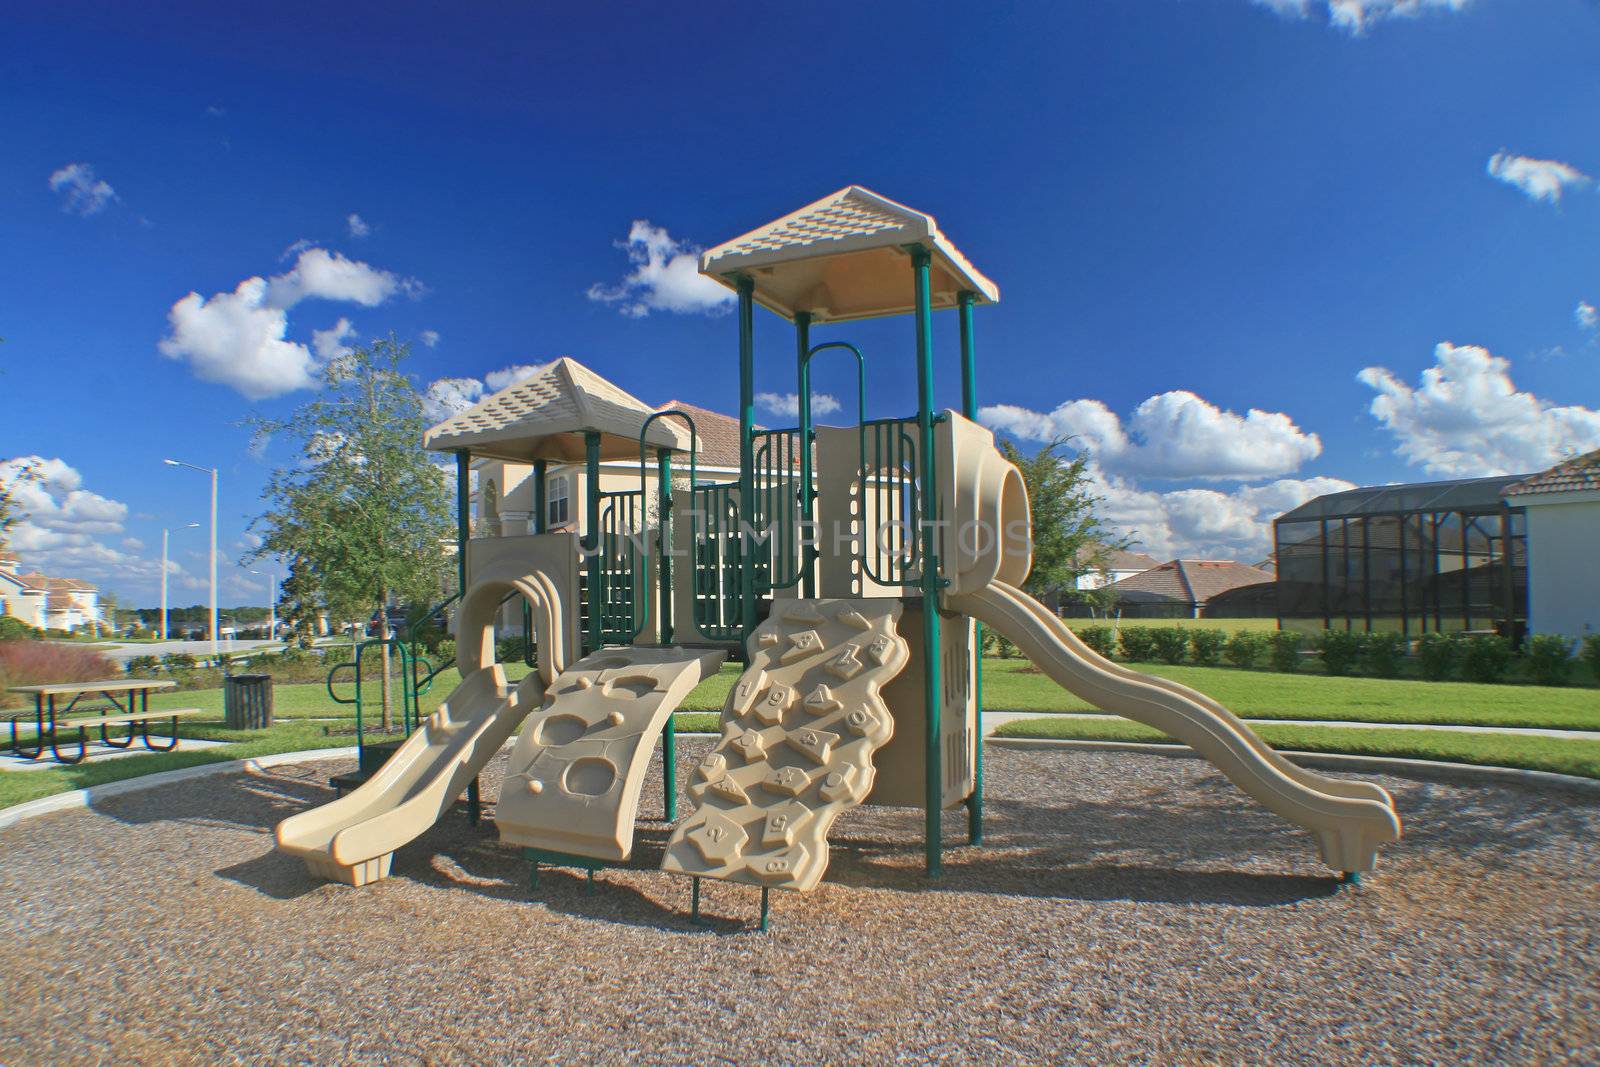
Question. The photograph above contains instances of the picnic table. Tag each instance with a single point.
(126, 701)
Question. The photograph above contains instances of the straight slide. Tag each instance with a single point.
(353, 838)
(1349, 820)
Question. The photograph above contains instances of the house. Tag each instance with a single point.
(1196, 588)
(1118, 564)
(45, 602)
(1562, 509)
(19, 599)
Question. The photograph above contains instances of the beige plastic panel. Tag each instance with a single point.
(574, 778)
(900, 763)
(798, 735)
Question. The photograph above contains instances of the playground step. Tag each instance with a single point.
(798, 734)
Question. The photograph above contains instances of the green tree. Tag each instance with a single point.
(362, 515)
(1069, 538)
(14, 474)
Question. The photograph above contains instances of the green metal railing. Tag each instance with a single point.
(779, 504)
(620, 596)
(714, 524)
(411, 687)
(891, 511)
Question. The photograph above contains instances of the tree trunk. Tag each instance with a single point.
(383, 632)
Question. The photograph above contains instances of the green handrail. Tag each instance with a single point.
(808, 432)
(664, 511)
(410, 709)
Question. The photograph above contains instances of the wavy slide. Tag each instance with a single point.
(1348, 819)
(353, 839)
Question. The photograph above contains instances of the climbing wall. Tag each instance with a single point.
(573, 780)
(798, 734)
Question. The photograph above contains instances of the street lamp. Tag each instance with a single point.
(272, 602)
(164, 534)
(213, 472)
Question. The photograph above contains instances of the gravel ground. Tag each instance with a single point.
(1128, 908)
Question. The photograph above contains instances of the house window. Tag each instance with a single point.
(557, 502)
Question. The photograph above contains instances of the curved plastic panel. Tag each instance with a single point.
(574, 778)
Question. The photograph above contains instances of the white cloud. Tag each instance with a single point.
(62, 525)
(80, 191)
(239, 339)
(1356, 16)
(788, 404)
(450, 396)
(357, 225)
(322, 275)
(497, 380)
(666, 277)
(1539, 179)
(1466, 417)
(445, 397)
(1587, 314)
(430, 338)
(330, 344)
(1204, 523)
(1173, 435)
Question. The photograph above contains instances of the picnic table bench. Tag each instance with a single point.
(127, 702)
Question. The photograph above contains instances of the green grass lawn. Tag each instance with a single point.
(1011, 685)
(1579, 757)
(291, 736)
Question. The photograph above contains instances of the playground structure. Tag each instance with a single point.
(848, 568)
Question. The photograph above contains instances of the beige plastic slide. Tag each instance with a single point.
(987, 555)
(353, 838)
(1348, 819)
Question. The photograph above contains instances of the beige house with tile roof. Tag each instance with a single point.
(1187, 588)
(1562, 506)
(45, 602)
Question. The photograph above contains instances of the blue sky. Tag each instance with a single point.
(1249, 250)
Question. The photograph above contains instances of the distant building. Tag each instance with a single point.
(1118, 564)
(1196, 588)
(1563, 517)
(45, 602)
(1419, 558)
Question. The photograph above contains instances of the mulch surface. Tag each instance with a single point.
(1126, 908)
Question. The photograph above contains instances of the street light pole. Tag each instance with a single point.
(272, 602)
(215, 650)
(164, 534)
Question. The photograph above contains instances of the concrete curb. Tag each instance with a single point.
(1395, 765)
(83, 798)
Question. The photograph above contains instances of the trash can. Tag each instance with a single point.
(247, 701)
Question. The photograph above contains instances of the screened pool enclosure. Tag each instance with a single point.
(1412, 559)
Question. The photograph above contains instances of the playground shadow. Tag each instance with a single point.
(1087, 851)
(249, 799)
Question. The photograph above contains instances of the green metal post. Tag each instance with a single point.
(541, 513)
(669, 734)
(591, 537)
(933, 762)
(808, 496)
(664, 526)
(969, 408)
(747, 466)
(463, 516)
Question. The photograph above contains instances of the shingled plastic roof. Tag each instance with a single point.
(544, 416)
(845, 257)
